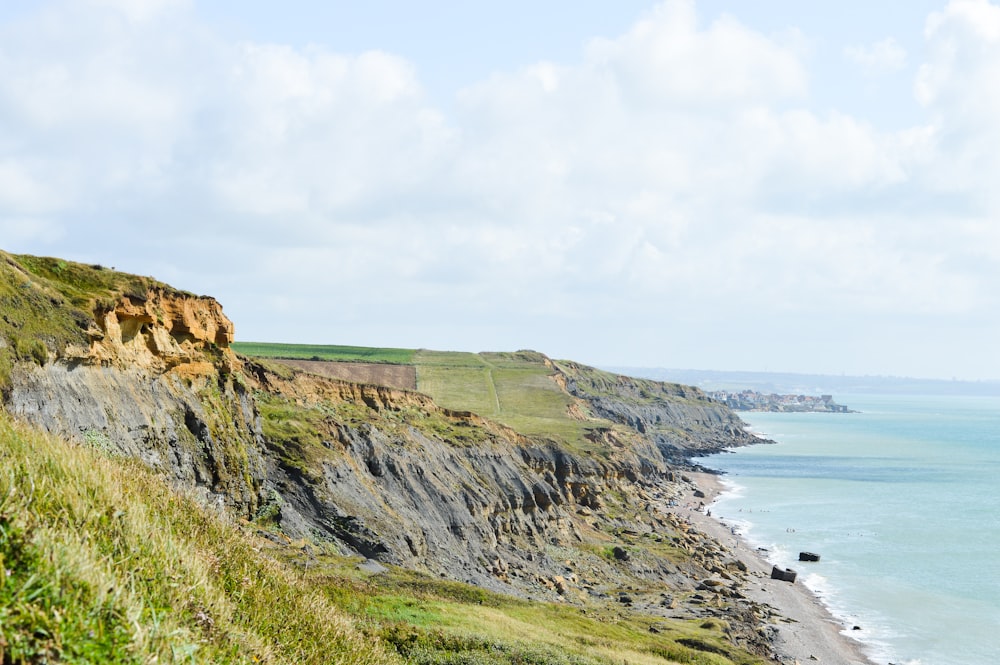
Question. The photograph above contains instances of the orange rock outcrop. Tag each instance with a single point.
(162, 330)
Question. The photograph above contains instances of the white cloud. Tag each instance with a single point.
(28, 231)
(881, 57)
(676, 170)
(140, 11)
(957, 84)
(22, 191)
(964, 45)
(667, 58)
(95, 106)
(323, 134)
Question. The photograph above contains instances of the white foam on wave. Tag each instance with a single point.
(730, 489)
(819, 585)
(873, 633)
(875, 636)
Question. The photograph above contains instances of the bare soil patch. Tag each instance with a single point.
(403, 377)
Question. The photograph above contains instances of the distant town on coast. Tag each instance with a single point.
(787, 383)
(752, 400)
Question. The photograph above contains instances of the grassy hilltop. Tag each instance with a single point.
(512, 388)
(48, 303)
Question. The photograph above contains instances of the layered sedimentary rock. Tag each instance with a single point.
(156, 331)
(480, 503)
(155, 382)
(680, 420)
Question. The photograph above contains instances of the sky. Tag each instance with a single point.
(704, 184)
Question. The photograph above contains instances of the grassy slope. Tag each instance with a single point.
(100, 561)
(515, 389)
(437, 627)
(512, 388)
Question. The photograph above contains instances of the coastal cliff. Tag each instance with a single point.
(135, 368)
(391, 475)
(679, 420)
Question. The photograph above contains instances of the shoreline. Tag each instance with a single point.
(805, 631)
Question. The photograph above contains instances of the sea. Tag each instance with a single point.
(902, 503)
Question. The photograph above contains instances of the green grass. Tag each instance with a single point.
(294, 433)
(438, 623)
(80, 284)
(459, 381)
(324, 352)
(434, 621)
(103, 562)
(516, 389)
(100, 561)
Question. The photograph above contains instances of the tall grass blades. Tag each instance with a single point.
(101, 562)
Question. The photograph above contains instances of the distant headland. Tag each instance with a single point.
(752, 400)
(787, 383)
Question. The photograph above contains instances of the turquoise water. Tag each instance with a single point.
(902, 503)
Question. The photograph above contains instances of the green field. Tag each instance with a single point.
(363, 354)
(516, 389)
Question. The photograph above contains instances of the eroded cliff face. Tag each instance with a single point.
(146, 371)
(395, 478)
(160, 330)
(681, 420)
(379, 482)
(155, 381)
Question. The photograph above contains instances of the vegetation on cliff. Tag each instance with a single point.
(47, 304)
(101, 561)
(545, 481)
(547, 399)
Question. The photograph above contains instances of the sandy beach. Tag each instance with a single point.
(806, 631)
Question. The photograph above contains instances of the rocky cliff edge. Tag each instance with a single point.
(134, 367)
